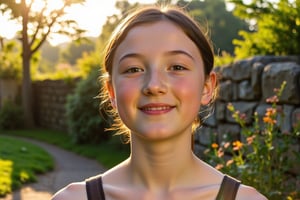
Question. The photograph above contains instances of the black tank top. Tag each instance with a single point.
(228, 189)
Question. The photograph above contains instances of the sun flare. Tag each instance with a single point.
(90, 15)
(49, 5)
(40, 4)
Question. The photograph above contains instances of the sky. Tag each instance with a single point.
(89, 16)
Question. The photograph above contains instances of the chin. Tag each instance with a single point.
(156, 134)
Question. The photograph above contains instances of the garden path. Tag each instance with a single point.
(69, 167)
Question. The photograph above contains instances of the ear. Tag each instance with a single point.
(111, 93)
(209, 88)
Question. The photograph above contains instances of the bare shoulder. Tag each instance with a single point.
(74, 191)
(249, 193)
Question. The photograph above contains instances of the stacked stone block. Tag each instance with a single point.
(247, 84)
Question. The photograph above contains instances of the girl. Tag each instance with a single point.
(159, 73)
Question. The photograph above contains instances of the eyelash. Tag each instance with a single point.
(132, 70)
(178, 67)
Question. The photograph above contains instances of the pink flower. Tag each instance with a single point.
(229, 162)
(226, 145)
(250, 139)
(273, 99)
(219, 166)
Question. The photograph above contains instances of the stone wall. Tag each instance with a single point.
(247, 84)
(49, 103)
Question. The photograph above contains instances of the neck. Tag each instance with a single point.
(161, 164)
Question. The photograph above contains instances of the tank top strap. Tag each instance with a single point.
(94, 188)
(228, 189)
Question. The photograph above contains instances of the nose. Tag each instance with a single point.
(155, 83)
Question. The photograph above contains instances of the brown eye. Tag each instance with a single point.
(134, 70)
(178, 68)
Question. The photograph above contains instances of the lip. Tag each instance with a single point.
(156, 108)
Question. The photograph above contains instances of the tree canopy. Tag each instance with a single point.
(75, 51)
(10, 61)
(275, 27)
(94, 59)
(222, 25)
(37, 26)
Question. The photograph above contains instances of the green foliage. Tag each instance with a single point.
(264, 159)
(65, 72)
(5, 176)
(37, 25)
(11, 116)
(112, 21)
(223, 26)
(224, 59)
(49, 52)
(275, 25)
(84, 121)
(89, 62)
(20, 162)
(49, 58)
(76, 50)
(10, 61)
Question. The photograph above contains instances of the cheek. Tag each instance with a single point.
(189, 90)
(125, 93)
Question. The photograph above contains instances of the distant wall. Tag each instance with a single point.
(9, 91)
(50, 98)
(247, 84)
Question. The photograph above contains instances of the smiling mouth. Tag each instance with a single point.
(156, 109)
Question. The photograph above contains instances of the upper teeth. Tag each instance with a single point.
(156, 108)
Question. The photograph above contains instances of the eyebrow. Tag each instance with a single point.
(131, 55)
(175, 52)
(140, 56)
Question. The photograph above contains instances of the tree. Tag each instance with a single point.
(223, 26)
(49, 58)
(37, 25)
(92, 60)
(10, 62)
(113, 20)
(75, 51)
(275, 27)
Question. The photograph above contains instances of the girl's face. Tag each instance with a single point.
(158, 81)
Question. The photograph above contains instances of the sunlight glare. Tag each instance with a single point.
(40, 4)
(50, 5)
(8, 28)
(90, 15)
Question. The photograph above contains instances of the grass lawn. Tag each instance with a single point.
(20, 162)
(108, 153)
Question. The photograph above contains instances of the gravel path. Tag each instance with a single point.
(69, 167)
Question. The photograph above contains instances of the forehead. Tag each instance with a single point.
(157, 37)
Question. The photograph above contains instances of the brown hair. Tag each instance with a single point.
(150, 15)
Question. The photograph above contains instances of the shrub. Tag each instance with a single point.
(264, 159)
(223, 59)
(10, 61)
(5, 176)
(11, 116)
(84, 121)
